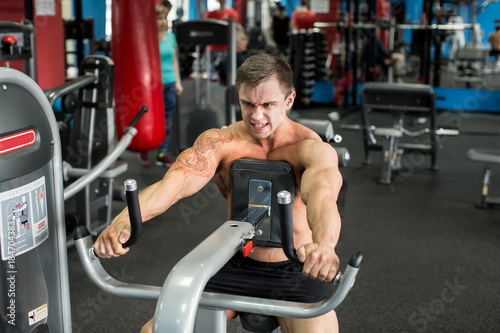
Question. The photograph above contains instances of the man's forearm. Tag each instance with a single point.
(323, 218)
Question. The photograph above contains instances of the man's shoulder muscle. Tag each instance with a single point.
(205, 154)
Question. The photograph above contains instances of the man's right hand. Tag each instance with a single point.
(110, 242)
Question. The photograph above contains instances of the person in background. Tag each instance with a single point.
(279, 28)
(223, 13)
(494, 40)
(457, 38)
(241, 56)
(167, 4)
(383, 57)
(218, 51)
(302, 17)
(171, 79)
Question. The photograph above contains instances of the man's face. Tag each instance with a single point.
(264, 107)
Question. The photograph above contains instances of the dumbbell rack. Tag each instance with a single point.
(308, 54)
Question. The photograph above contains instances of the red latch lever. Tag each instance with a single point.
(247, 248)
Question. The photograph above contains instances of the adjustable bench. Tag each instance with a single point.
(488, 156)
(398, 100)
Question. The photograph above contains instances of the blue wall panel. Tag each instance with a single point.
(469, 100)
(97, 10)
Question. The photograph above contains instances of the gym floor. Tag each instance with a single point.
(430, 257)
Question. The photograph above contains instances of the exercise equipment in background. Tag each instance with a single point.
(212, 105)
(398, 101)
(488, 157)
(34, 292)
(90, 148)
(17, 41)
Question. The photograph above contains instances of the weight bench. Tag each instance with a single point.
(488, 156)
(324, 129)
(397, 99)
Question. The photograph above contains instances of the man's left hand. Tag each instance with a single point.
(320, 262)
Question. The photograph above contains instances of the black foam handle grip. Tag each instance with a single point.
(356, 260)
(134, 211)
(286, 225)
(136, 119)
(80, 232)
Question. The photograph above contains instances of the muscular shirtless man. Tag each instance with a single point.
(266, 94)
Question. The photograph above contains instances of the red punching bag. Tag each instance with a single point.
(137, 79)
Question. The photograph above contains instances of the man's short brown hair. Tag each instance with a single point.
(260, 68)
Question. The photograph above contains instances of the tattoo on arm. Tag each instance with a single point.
(196, 160)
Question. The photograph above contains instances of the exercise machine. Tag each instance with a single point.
(34, 287)
(17, 41)
(182, 305)
(399, 100)
(192, 121)
(489, 157)
(87, 121)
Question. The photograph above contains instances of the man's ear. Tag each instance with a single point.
(289, 100)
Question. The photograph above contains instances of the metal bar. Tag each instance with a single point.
(231, 73)
(65, 88)
(355, 38)
(390, 147)
(96, 171)
(103, 280)
(282, 308)
(28, 10)
(404, 26)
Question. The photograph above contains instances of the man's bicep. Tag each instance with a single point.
(320, 182)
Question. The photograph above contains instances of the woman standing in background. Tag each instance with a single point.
(171, 80)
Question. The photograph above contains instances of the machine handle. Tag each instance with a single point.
(134, 210)
(356, 259)
(138, 116)
(286, 227)
(131, 194)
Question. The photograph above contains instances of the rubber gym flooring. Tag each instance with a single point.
(431, 259)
